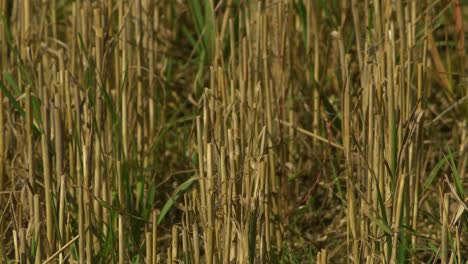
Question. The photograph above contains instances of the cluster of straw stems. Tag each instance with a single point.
(273, 131)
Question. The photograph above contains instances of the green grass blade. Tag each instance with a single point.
(433, 174)
(12, 99)
(9, 79)
(170, 202)
(456, 176)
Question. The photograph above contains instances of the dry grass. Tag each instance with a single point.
(285, 131)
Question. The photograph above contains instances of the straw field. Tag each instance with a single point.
(233, 131)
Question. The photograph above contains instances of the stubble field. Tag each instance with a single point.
(233, 131)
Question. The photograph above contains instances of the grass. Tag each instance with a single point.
(233, 131)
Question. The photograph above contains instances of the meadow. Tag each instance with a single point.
(233, 131)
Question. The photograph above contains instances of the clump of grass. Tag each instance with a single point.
(286, 131)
